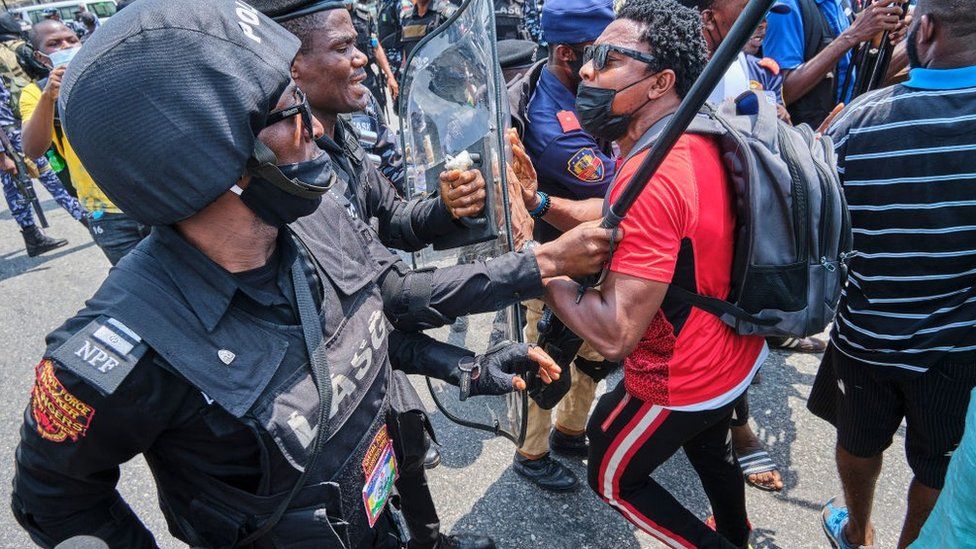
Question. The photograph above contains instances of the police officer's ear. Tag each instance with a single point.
(661, 84)
(709, 24)
(566, 54)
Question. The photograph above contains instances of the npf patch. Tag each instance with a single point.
(586, 165)
(103, 353)
(58, 414)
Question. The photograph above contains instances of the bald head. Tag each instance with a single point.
(942, 34)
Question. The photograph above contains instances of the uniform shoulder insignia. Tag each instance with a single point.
(770, 65)
(58, 415)
(755, 85)
(103, 353)
(568, 121)
(586, 165)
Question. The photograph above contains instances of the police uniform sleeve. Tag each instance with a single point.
(420, 299)
(76, 433)
(574, 161)
(417, 353)
(406, 225)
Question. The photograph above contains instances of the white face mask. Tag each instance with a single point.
(61, 58)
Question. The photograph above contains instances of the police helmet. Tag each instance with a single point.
(164, 103)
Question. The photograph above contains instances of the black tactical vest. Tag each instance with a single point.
(510, 20)
(267, 389)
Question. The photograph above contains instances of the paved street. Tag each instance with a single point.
(474, 487)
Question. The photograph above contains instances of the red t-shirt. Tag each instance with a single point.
(681, 231)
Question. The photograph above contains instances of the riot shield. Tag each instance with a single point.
(453, 113)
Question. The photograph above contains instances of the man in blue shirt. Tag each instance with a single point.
(814, 51)
(570, 164)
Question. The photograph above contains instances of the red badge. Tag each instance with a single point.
(59, 415)
(568, 121)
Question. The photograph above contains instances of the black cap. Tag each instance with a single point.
(516, 54)
(163, 103)
(283, 10)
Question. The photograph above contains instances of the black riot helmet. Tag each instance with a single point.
(284, 10)
(163, 105)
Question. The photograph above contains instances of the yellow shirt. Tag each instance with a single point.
(90, 196)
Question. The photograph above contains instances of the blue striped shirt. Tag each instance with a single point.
(907, 158)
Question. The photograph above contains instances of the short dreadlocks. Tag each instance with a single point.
(673, 34)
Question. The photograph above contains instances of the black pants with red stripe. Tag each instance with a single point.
(629, 439)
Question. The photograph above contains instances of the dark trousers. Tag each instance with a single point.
(629, 439)
(116, 234)
(409, 433)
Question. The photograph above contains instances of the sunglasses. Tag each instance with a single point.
(301, 108)
(599, 55)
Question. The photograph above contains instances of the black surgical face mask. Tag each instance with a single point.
(277, 207)
(594, 107)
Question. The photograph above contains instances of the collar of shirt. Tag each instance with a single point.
(208, 287)
(559, 93)
(942, 79)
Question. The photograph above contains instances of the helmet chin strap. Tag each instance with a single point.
(264, 164)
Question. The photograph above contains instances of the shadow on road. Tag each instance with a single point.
(17, 263)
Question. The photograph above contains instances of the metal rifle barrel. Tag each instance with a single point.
(726, 54)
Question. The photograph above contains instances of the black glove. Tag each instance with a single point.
(492, 372)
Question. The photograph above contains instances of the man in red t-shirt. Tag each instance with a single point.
(684, 369)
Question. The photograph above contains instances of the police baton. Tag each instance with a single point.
(726, 54)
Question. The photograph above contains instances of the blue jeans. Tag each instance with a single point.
(116, 233)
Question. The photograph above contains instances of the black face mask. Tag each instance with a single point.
(278, 207)
(594, 107)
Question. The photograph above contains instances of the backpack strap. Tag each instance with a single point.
(718, 307)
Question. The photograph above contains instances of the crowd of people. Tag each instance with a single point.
(251, 238)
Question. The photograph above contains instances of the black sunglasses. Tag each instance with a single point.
(599, 55)
(301, 108)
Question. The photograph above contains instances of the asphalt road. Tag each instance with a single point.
(475, 488)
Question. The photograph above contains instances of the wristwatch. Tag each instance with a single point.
(469, 371)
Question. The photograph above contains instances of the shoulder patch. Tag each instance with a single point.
(568, 121)
(58, 415)
(755, 85)
(586, 165)
(770, 65)
(103, 353)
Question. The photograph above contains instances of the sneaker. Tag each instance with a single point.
(546, 473)
(833, 519)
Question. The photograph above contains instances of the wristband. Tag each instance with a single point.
(543, 208)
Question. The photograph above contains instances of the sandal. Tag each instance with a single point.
(756, 463)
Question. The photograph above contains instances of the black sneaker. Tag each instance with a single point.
(569, 445)
(465, 541)
(546, 473)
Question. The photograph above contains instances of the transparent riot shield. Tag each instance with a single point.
(453, 113)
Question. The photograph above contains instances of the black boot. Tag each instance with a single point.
(465, 541)
(546, 473)
(432, 458)
(39, 243)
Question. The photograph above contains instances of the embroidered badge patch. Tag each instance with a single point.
(58, 414)
(103, 353)
(380, 468)
(586, 165)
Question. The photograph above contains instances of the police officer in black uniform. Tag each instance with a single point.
(416, 22)
(331, 75)
(379, 141)
(247, 362)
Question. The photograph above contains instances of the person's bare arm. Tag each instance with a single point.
(880, 16)
(384, 64)
(38, 130)
(612, 318)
